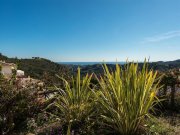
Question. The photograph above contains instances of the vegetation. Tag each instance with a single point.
(156, 66)
(126, 97)
(16, 107)
(119, 100)
(74, 104)
(171, 79)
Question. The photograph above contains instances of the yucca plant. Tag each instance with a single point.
(74, 103)
(126, 96)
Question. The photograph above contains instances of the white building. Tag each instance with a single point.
(20, 73)
(7, 68)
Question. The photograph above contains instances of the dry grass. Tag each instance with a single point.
(165, 125)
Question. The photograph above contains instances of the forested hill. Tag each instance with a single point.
(40, 68)
(160, 66)
(164, 66)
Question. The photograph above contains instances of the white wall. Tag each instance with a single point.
(20, 73)
(6, 70)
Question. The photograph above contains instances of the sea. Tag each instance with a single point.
(89, 63)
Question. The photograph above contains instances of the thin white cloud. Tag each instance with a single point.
(163, 36)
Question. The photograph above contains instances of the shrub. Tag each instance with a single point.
(16, 106)
(73, 105)
(126, 97)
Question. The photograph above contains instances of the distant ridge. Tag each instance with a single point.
(95, 67)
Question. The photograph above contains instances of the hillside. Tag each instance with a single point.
(46, 70)
(40, 68)
(97, 68)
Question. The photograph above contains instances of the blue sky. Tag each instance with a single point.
(90, 30)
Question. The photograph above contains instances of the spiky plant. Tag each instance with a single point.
(74, 102)
(126, 97)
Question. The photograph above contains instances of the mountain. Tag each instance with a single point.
(97, 68)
